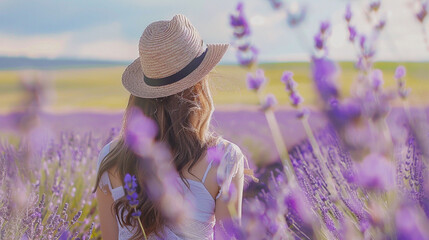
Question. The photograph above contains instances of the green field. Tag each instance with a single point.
(100, 88)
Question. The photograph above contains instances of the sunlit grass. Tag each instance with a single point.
(100, 88)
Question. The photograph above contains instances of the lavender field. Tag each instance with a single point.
(247, 127)
(340, 150)
(61, 202)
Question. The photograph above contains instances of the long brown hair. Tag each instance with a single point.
(183, 121)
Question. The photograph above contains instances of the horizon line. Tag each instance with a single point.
(125, 63)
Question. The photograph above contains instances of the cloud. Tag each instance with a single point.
(47, 46)
(401, 39)
(104, 42)
(111, 31)
(108, 49)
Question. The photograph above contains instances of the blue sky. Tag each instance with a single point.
(110, 29)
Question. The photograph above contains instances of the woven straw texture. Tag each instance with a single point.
(165, 48)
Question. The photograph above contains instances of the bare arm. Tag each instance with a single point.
(225, 214)
(108, 224)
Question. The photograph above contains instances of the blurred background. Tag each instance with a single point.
(71, 55)
(357, 142)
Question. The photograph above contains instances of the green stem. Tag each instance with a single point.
(279, 143)
(232, 210)
(312, 138)
(407, 110)
(141, 226)
(384, 128)
(289, 230)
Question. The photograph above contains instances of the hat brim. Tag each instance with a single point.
(132, 78)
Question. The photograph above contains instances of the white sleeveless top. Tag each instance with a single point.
(203, 220)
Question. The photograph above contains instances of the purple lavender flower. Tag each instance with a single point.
(130, 183)
(325, 74)
(162, 183)
(410, 223)
(343, 112)
(237, 18)
(76, 217)
(270, 102)
(297, 204)
(348, 15)
(65, 235)
(403, 93)
(90, 230)
(303, 113)
(377, 79)
(367, 51)
(400, 72)
(360, 64)
(243, 44)
(381, 24)
(296, 15)
(136, 213)
(421, 15)
(375, 5)
(318, 41)
(239, 22)
(215, 154)
(329, 223)
(295, 98)
(133, 201)
(362, 41)
(132, 196)
(246, 54)
(276, 4)
(247, 57)
(255, 81)
(376, 172)
(288, 81)
(352, 33)
(291, 86)
(140, 131)
(324, 26)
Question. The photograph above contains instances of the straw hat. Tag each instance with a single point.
(172, 59)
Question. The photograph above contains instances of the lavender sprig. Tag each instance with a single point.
(132, 197)
(246, 52)
(400, 73)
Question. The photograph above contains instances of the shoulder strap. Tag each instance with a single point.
(117, 192)
(207, 171)
(210, 164)
(102, 154)
(104, 180)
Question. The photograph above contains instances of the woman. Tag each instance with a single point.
(169, 84)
